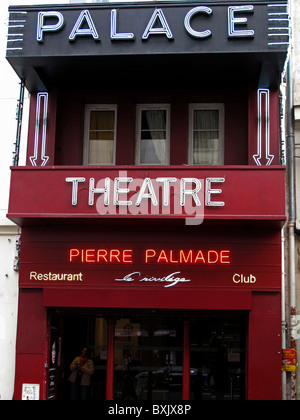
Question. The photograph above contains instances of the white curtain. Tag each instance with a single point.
(153, 142)
(101, 144)
(206, 137)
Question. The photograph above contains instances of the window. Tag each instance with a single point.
(100, 134)
(153, 134)
(206, 138)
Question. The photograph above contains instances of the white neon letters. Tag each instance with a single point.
(233, 20)
(187, 22)
(75, 181)
(157, 24)
(84, 18)
(115, 191)
(42, 27)
(41, 120)
(210, 191)
(163, 30)
(263, 128)
(113, 29)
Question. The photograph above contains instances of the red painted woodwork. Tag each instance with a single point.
(263, 343)
(255, 249)
(263, 306)
(68, 137)
(110, 360)
(186, 362)
(264, 348)
(240, 123)
(247, 192)
(173, 299)
(31, 348)
(245, 254)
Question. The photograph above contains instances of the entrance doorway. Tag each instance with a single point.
(148, 358)
(157, 355)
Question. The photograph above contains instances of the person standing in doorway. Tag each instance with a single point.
(82, 369)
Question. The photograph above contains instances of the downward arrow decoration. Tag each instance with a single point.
(40, 118)
(263, 128)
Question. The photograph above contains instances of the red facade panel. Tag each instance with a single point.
(32, 342)
(147, 260)
(227, 193)
(264, 355)
(253, 262)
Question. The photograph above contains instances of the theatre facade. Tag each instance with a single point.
(152, 199)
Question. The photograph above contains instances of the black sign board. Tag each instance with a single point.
(142, 29)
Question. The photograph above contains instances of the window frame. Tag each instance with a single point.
(86, 143)
(206, 106)
(139, 109)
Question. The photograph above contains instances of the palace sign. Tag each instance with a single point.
(105, 29)
(157, 25)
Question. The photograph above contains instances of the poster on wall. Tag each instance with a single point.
(31, 392)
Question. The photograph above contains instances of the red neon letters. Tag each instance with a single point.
(190, 256)
(150, 256)
(93, 255)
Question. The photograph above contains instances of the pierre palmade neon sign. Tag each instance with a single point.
(151, 256)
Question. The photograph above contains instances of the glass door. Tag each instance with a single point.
(152, 355)
(148, 358)
(217, 348)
